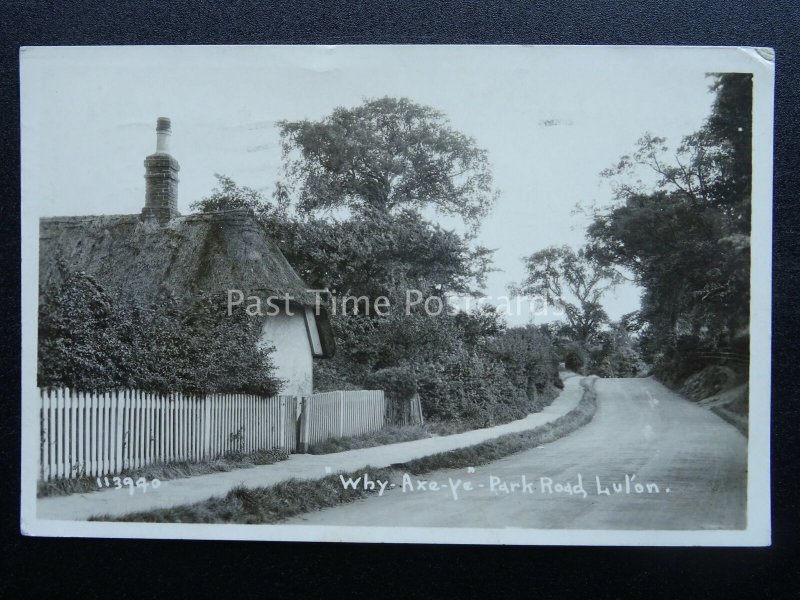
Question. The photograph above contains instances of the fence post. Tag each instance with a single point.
(44, 445)
(118, 433)
(84, 425)
(62, 424)
(206, 427)
(282, 423)
(341, 414)
(305, 421)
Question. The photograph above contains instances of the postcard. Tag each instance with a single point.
(422, 294)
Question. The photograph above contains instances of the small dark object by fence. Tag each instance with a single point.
(405, 412)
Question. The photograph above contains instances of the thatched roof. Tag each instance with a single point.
(206, 252)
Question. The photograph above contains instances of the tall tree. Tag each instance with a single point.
(387, 154)
(686, 239)
(571, 281)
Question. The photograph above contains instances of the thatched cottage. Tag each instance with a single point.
(159, 251)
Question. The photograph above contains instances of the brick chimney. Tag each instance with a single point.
(161, 177)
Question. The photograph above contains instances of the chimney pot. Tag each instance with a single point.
(163, 133)
(161, 177)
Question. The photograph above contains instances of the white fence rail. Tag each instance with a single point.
(101, 434)
(340, 414)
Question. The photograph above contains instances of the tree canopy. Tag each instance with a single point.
(387, 154)
(686, 238)
(572, 282)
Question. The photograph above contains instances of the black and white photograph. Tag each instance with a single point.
(421, 294)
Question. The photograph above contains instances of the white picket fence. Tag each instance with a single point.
(85, 434)
(341, 414)
(100, 434)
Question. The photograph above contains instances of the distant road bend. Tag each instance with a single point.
(695, 463)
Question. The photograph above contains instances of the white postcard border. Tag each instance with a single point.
(757, 533)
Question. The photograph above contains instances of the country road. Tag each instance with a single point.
(695, 463)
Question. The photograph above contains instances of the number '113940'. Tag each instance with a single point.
(118, 483)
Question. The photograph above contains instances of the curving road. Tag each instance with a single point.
(695, 463)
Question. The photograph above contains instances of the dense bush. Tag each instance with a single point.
(688, 355)
(574, 361)
(574, 355)
(466, 368)
(615, 353)
(508, 376)
(471, 388)
(398, 383)
(93, 339)
(529, 358)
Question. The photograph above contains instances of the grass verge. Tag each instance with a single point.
(165, 471)
(390, 434)
(273, 504)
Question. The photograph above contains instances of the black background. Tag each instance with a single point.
(142, 568)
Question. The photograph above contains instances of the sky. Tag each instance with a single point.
(551, 118)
